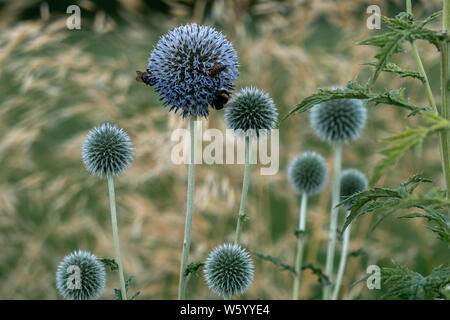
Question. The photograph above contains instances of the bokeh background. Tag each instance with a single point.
(56, 84)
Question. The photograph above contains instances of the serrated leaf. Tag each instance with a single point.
(193, 267)
(401, 28)
(391, 200)
(410, 139)
(118, 292)
(441, 220)
(353, 90)
(402, 73)
(275, 261)
(110, 264)
(402, 282)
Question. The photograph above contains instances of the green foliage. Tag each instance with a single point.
(110, 264)
(118, 293)
(402, 73)
(354, 90)
(193, 267)
(401, 28)
(391, 200)
(321, 277)
(404, 283)
(399, 144)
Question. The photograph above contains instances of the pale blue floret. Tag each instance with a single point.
(91, 272)
(229, 270)
(107, 150)
(308, 173)
(340, 120)
(180, 65)
(251, 111)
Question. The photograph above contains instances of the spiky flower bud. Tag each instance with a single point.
(229, 270)
(308, 173)
(339, 120)
(251, 109)
(181, 68)
(107, 150)
(352, 181)
(80, 276)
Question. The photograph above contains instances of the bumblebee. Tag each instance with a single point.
(216, 69)
(145, 77)
(221, 99)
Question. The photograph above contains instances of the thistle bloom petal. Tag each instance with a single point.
(339, 120)
(80, 276)
(229, 270)
(352, 181)
(180, 66)
(308, 173)
(251, 109)
(107, 150)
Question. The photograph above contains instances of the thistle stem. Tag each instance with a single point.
(333, 218)
(343, 261)
(300, 244)
(444, 137)
(189, 211)
(245, 184)
(112, 202)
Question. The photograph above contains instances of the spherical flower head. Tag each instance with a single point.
(180, 66)
(229, 270)
(340, 120)
(80, 276)
(352, 181)
(107, 150)
(251, 112)
(308, 173)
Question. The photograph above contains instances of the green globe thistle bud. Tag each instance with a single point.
(251, 112)
(107, 150)
(80, 276)
(352, 181)
(339, 120)
(229, 270)
(308, 173)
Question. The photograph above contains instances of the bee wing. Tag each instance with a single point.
(139, 75)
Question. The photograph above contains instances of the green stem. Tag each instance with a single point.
(112, 202)
(189, 212)
(300, 244)
(245, 184)
(336, 190)
(444, 137)
(342, 263)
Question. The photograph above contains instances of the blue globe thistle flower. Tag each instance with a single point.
(251, 109)
(107, 150)
(80, 276)
(229, 270)
(180, 68)
(308, 173)
(339, 120)
(352, 181)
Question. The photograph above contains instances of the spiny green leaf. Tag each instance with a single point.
(110, 264)
(353, 90)
(193, 267)
(322, 278)
(404, 283)
(118, 292)
(275, 261)
(401, 28)
(410, 139)
(393, 68)
(391, 200)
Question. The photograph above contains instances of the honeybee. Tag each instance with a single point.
(221, 99)
(145, 77)
(216, 69)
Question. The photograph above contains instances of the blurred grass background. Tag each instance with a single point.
(55, 84)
